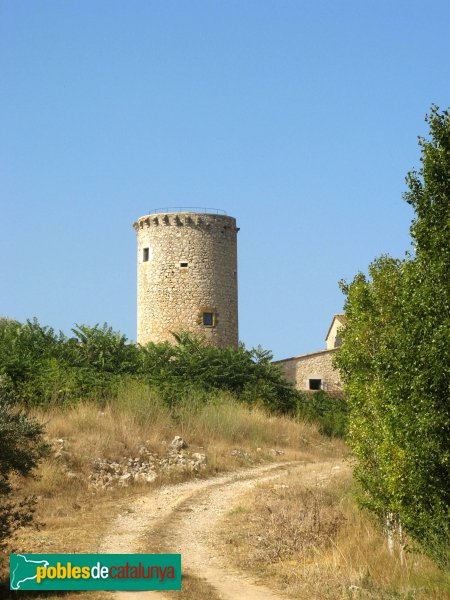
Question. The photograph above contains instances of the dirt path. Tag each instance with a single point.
(183, 518)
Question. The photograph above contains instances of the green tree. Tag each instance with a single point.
(103, 349)
(45, 367)
(192, 363)
(395, 362)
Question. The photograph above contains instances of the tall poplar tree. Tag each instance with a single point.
(395, 361)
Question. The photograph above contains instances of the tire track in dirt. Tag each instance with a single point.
(183, 519)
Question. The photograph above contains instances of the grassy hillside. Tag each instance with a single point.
(120, 420)
(73, 512)
(312, 541)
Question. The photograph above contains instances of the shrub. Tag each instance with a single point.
(22, 447)
(329, 411)
(49, 368)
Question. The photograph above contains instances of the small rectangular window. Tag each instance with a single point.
(145, 254)
(184, 265)
(208, 319)
(315, 384)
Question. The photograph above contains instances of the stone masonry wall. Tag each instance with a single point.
(172, 297)
(299, 369)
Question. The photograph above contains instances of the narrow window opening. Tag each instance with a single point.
(315, 384)
(184, 265)
(208, 319)
(146, 254)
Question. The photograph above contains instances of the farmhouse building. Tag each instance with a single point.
(315, 371)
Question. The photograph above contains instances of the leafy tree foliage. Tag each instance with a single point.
(249, 374)
(395, 360)
(329, 411)
(48, 367)
(103, 349)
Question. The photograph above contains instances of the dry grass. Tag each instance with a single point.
(74, 518)
(311, 542)
(6, 594)
(194, 588)
(139, 416)
(314, 543)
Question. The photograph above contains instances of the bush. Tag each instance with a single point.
(192, 364)
(329, 411)
(22, 446)
(49, 368)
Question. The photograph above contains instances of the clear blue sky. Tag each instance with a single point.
(298, 118)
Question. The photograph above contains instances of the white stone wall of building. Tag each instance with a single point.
(318, 365)
(172, 297)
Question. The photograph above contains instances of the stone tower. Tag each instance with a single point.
(187, 276)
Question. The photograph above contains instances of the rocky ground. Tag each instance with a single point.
(146, 467)
(143, 468)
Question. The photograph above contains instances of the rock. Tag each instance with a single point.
(274, 452)
(178, 443)
(197, 457)
(145, 467)
(258, 449)
(240, 453)
(280, 486)
(126, 479)
(150, 477)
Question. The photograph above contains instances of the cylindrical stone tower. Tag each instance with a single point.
(187, 277)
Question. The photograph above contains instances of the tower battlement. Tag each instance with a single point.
(187, 219)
